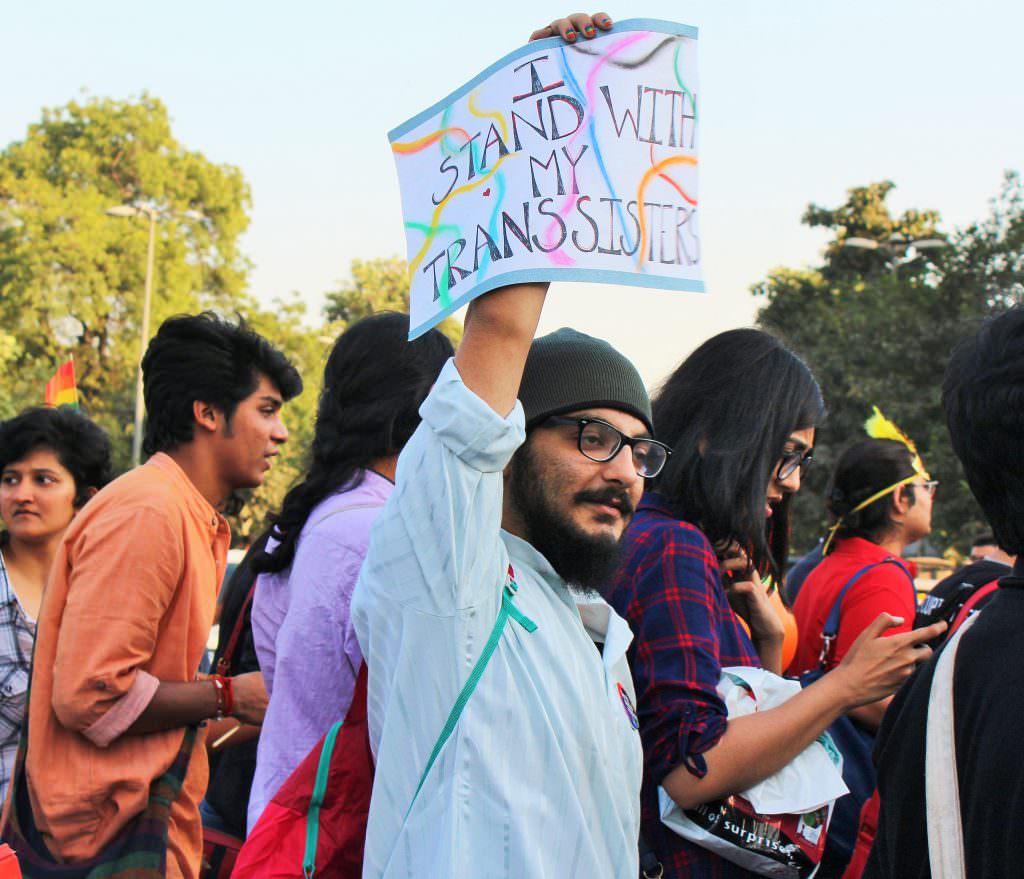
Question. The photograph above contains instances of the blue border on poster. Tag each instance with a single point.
(631, 24)
(557, 273)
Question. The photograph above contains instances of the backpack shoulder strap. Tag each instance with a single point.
(316, 800)
(941, 782)
(230, 649)
(224, 663)
(356, 713)
(226, 657)
(968, 606)
(346, 509)
(830, 631)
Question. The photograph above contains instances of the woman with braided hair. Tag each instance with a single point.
(374, 383)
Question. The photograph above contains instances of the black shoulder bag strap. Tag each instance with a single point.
(650, 866)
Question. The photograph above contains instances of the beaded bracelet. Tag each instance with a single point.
(225, 696)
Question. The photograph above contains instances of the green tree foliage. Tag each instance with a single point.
(877, 327)
(378, 285)
(71, 277)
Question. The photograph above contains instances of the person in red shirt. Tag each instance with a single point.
(898, 511)
(880, 501)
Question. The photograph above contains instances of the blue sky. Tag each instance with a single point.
(800, 100)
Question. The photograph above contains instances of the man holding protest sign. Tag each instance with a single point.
(540, 774)
(505, 740)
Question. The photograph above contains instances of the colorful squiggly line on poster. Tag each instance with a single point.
(558, 162)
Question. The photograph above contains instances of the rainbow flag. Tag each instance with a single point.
(61, 389)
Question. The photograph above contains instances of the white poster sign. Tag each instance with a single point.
(559, 162)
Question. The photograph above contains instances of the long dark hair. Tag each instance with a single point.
(780, 532)
(374, 383)
(727, 412)
(865, 468)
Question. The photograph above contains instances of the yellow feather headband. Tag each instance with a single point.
(879, 427)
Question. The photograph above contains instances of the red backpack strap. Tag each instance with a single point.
(968, 606)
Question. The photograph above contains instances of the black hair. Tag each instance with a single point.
(203, 357)
(81, 446)
(780, 534)
(727, 412)
(983, 395)
(866, 468)
(984, 540)
(374, 383)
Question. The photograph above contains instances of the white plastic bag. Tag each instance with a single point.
(777, 827)
(814, 778)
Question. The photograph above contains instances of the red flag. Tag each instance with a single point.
(61, 389)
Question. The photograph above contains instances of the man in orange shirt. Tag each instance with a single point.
(130, 601)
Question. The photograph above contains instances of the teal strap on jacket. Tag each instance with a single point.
(323, 769)
(508, 609)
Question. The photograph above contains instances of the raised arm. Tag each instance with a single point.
(500, 325)
(499, 329)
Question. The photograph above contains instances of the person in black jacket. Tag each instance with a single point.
(983, 387)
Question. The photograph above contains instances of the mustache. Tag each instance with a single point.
(614, 497)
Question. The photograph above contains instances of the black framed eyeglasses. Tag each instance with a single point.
(793, 461)
(600, 441)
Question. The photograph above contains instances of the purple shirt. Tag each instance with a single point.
(304, 638)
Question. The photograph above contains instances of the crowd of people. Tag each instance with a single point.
(522, 580)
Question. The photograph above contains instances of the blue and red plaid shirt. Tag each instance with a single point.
(685, 632)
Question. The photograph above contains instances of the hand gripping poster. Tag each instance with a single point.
(559, 162)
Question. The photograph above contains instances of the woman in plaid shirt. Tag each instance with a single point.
(740, 414)
(51, 462)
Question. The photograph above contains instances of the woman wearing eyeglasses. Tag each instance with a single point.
(740, 415)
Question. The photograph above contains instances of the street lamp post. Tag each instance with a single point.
(153, 215)
(900, 248)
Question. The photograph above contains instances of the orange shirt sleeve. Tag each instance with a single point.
(790, 638)
(123, 573)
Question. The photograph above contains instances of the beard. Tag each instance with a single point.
(587, 562)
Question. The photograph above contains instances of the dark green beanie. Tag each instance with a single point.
(567, 371)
